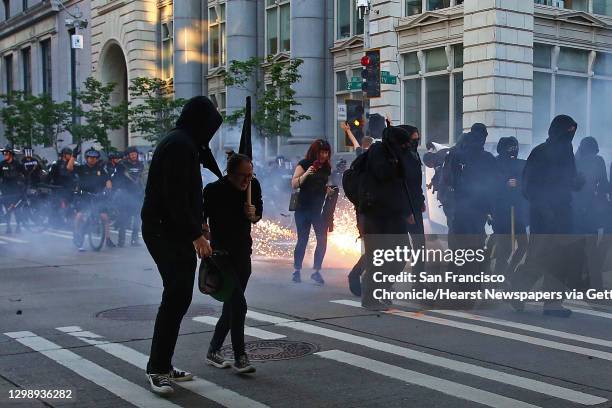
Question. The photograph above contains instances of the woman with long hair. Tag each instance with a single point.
(311, 177)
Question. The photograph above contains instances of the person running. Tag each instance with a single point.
(311, 177)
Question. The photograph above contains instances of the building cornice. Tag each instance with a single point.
(110, 6)
(352, 42)
(429, 18)
(25, 20)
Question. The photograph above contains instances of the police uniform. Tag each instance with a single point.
(92, 180)
(11, 176)
(129, 180)
(32, 170)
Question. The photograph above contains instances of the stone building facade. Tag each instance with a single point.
(511, 64)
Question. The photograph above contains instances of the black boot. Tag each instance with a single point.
(121, 241)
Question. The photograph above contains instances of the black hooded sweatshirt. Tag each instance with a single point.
(173, 197)
(384, 189)
(550, 174)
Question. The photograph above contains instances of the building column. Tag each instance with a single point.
(384, 37)
(309, 43)
(241, 28)
(498, 67)
(188, 57)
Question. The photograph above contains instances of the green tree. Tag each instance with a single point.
(157, 112)
(276, 105)
(101, 116)
(51, 119)
(18, 116)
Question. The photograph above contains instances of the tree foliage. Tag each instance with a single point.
(276, 105)
(156, 112)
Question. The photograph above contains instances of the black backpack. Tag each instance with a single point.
(351, 178)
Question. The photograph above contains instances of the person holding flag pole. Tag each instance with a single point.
(231, 205)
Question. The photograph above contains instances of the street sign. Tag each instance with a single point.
(77, 41)
(355, 84)
(387, 78)
(342, 112)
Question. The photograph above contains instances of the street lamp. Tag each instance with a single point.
(363, 8)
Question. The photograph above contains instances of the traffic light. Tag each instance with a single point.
(371, 73)
(355, 117)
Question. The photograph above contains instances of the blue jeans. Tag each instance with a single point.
(304, 219)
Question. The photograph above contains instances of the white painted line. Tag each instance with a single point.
(108, 380)
(526, 327)
(55, 234)
(3, 243)
(249, 331)
(604, 355)
(432, 359)
(206, 389)
(14, 240)
(433, 383)
(581, 310)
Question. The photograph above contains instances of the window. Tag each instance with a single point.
(574, 60)
(542, 83)
(278, 26)
(7, 9)
(603, 64)
(433, 94)
(45, 56)
(542, 55)
(602, 7)
(348, 23)
(167, 55)
(438, 4)
(348, 98)
(26, 70)
(341, 81)
(216, 35)
(571, 99)
(219, 100)
(601, 114)
(24, 5)
(414, 7)
(8, 73)
(580, 5)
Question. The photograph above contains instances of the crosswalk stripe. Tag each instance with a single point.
(604, 355)
(576, 308)
(206, 389)
(526, 327)
(117, 385)
(249, 331)
(434, 383)
(431, 359)
(3, 243)
(14, 240)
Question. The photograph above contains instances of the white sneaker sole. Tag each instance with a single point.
(246, 370)
(182, 379)
(225, 364)
(163, 391)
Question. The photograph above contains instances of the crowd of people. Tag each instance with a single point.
(114, 189)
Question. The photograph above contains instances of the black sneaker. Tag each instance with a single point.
(317, 278)
(354, 282)
(160, 384)
(215, 359)
(180, 376)
(296, 277)
(110, 244)
(243, 366)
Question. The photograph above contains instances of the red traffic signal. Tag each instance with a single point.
(365, 61)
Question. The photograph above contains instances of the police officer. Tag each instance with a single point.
(12, 177)
(33, 171)
(62, 176)
(112, 165)
(93, 179)
(130, 179)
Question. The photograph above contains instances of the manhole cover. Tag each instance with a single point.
(149, 312)
(273, 350)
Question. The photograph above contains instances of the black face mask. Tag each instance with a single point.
(414, 144)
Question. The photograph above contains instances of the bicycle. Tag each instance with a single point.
(92, 223)
(34, 209)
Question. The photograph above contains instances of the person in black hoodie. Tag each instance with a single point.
(549, 179)
(172, 220)
(509, 204)
(589, 205)
(230, 219)
(386, 206)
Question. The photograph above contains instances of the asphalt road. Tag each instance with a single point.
(82, 323)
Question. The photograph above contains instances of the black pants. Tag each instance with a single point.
(381, 233)
(129, 215)
(234, 309)
(304, 219)
(177, 264)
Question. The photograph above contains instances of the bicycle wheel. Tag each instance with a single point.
(36, 216)
(96, 232)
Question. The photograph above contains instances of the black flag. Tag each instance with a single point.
(246, 147)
